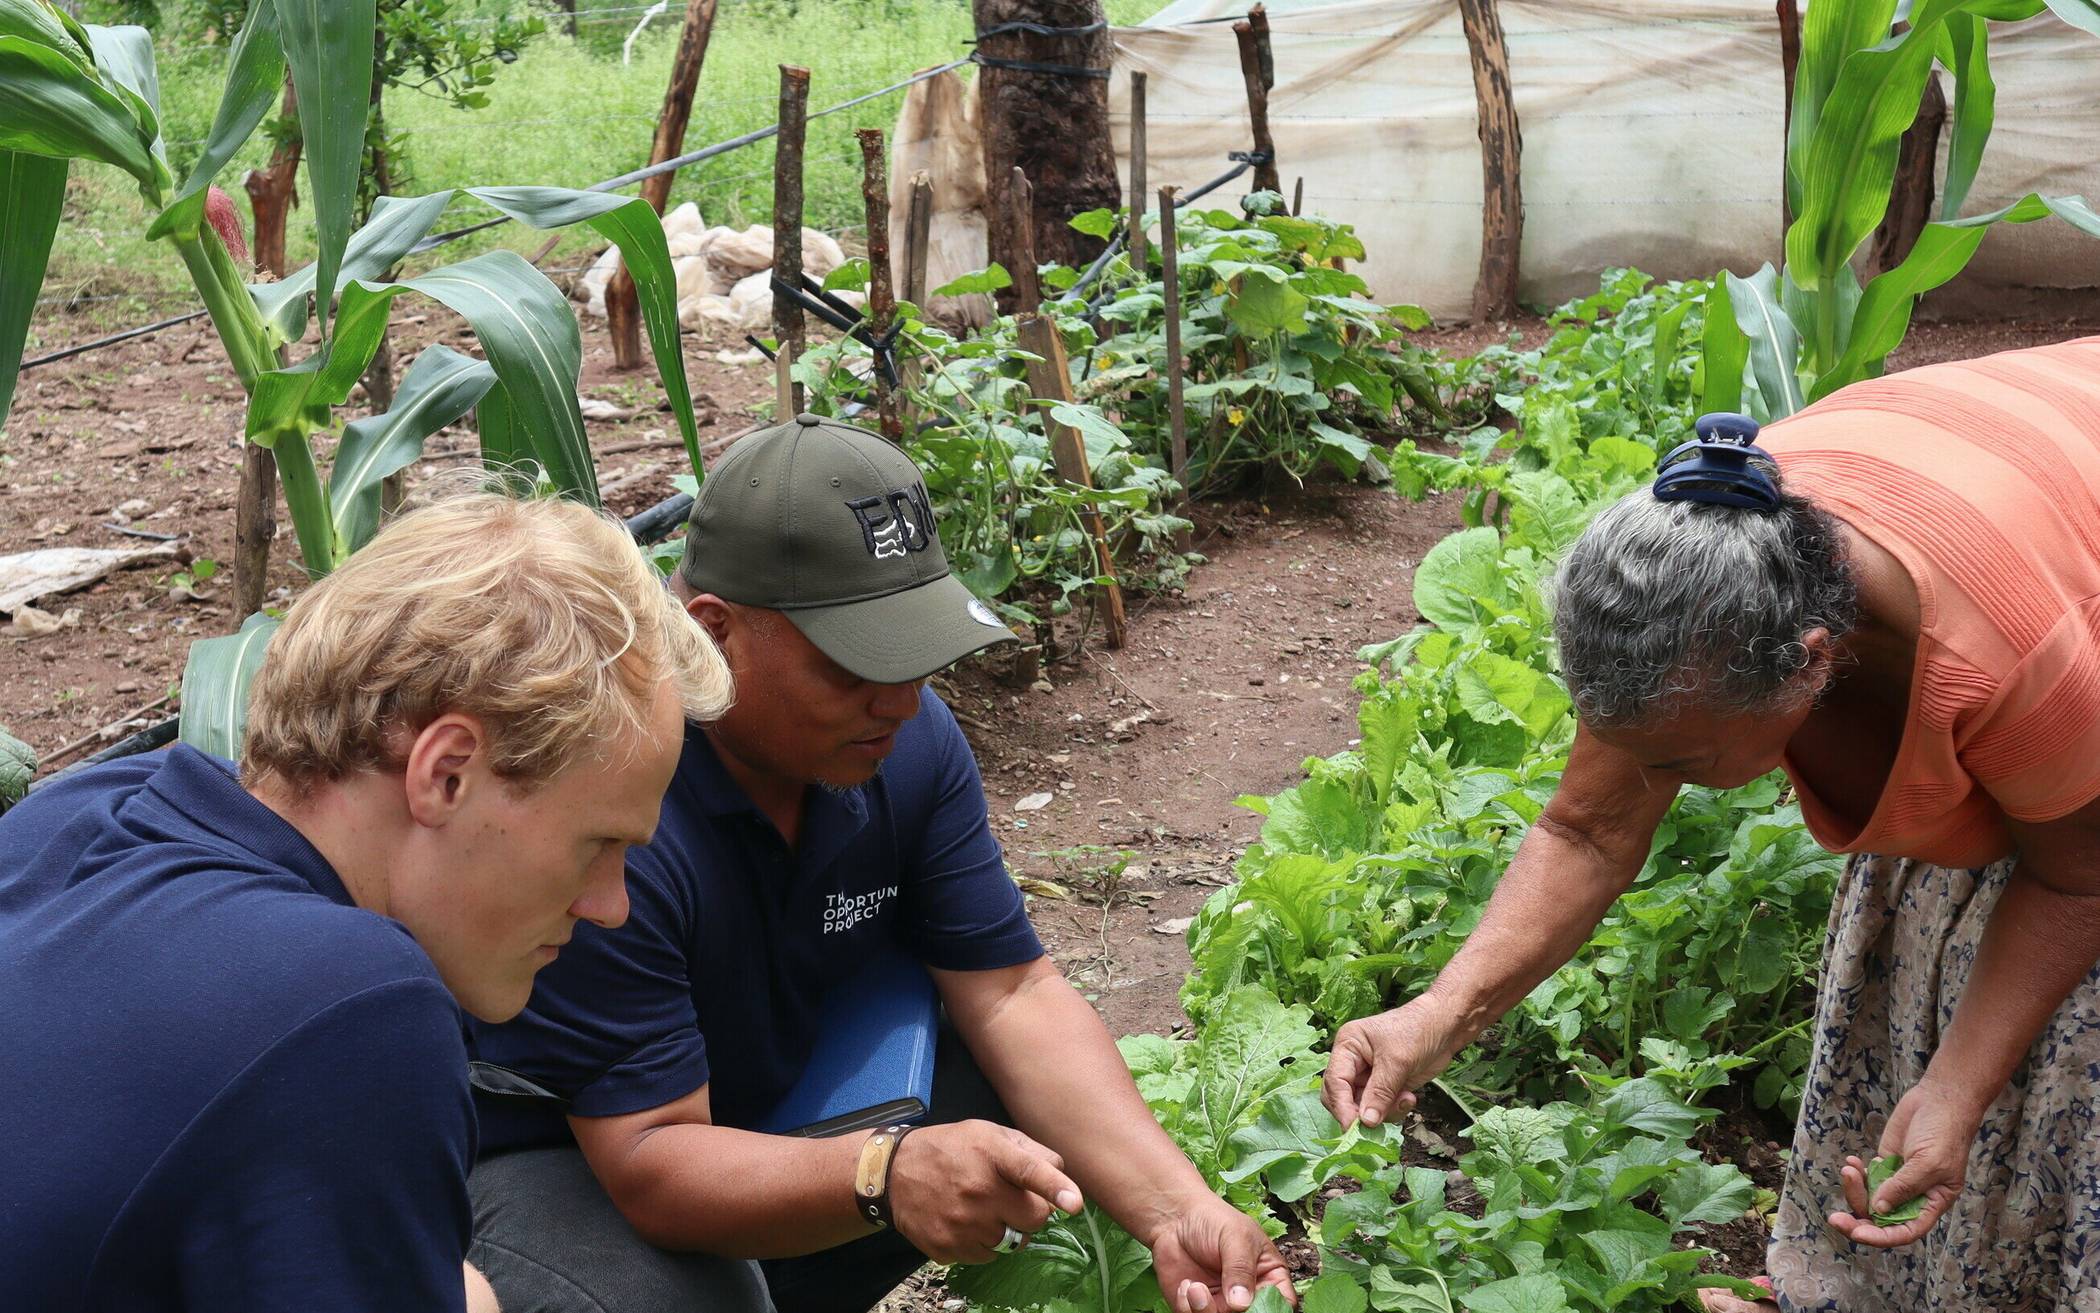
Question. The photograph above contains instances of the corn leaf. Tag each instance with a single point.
(41, 24)
(439, 387)
(632, 225)
(328, 44)
(215, 687)
(1775, 347)
(496, 423)
(1965, 50)
(255, 71)
(50, 105)
(1724, 352)
(1829, 33)
(1942, 251)
(397, 223)
(2078, 13)
(32, 193)
(124, 57)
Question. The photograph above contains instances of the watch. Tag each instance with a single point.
(871, 1180)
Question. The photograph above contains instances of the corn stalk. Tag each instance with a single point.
(1783, 338)
(78, 92)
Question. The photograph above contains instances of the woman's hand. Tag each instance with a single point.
(1379, 1062)
(1932, 1127)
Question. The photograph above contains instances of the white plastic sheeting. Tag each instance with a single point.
(1653, 135)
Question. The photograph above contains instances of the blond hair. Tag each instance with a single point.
(538, 617)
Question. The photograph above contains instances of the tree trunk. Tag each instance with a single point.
(1054, 126)
(273, 190)
(1910, 201)
(1789, 15)
(622, 312)
(1501, 154)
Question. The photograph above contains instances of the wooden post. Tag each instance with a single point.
(1140, 196)
(1053, 125)
(1050, 380)
(918, 235)
(1501, 154)
(1257, 72)
(1298, 199)
(1020, 197)
(882, 300)
(254, 525)
(787, 228)
(1789, 61)
(1170, 280)
(623, 313)
(273, 190)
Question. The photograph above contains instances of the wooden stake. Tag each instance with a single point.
(882, 300)
(918, 234)
(1050, 379)
(1789, 60)
(1911, 196)
(787, 393)
(1170, 280)
(1257, 71)
(1501, 154)
(273, 189)
(1140, 197)
(254, 525)
(1298, 197)
(1028, 292)
(787, 225)
(623, 312)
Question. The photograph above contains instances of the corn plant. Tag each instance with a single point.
(77, 92)
(1810, 328)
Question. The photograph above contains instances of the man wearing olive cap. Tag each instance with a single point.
(834, 814)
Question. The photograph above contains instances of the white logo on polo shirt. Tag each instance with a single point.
(844, 911)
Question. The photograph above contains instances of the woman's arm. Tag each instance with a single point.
(2042, 939)
(1583, 852)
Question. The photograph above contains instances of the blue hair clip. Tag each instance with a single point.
(1715, 466)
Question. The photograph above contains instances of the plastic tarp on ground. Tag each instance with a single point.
(1653, 135)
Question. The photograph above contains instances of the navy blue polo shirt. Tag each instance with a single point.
(222, 1085)
(734, 939)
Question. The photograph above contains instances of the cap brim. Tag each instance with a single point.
(904, 636)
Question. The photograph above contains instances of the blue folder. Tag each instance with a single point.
(872, 1063)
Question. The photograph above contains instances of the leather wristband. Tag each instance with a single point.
(871, 1180)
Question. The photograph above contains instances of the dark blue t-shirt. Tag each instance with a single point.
(734, 939)
(222, 1085)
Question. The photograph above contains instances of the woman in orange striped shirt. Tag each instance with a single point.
(1904, 613)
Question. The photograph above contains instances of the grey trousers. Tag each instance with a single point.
(550, 1240)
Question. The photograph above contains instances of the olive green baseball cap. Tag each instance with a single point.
(830, 525)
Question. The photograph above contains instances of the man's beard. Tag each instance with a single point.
(840, 790)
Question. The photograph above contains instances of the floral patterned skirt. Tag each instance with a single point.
(2025, 1234)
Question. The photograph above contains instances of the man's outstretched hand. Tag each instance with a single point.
(1213, 1258)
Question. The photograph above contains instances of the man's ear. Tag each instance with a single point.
(714, 615)
(445, 764)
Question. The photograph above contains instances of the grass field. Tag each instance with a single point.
(567, 113)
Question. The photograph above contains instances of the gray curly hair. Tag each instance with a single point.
(1665, 605)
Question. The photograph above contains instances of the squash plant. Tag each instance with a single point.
(1810, 328)
(79, 92)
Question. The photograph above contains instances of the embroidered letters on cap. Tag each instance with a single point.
(896, 523)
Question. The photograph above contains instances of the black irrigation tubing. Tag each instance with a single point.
(1246, 160)
(111, 340)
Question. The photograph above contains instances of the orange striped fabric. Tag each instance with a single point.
(1983, 478)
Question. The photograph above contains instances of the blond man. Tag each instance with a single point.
(235, 1074)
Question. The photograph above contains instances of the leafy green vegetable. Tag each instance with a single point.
(1878, 1173)
(17, 767)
